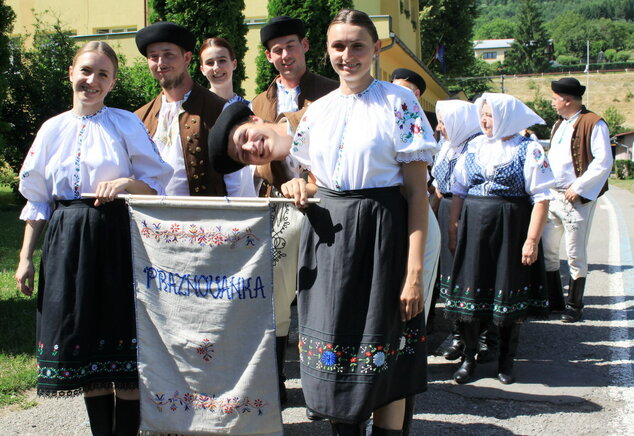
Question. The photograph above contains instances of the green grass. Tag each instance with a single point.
(624, 184)
(17, 312)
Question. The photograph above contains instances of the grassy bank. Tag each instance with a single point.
(624, 184)
(17, 312)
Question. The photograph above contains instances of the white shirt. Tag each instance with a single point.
(168, 140)
(71, 155)
(287, 98)
(538, 178)
(359, 141)
(589, 184)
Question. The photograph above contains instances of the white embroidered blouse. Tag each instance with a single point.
(359, 141)
(71, 155)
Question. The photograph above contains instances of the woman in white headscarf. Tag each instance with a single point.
(458, 124)
(502, 186)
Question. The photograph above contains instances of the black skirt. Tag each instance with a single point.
(488, 280)
(446, 258)
(86, 337)
(356, 354)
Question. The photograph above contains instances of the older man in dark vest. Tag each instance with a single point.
(581, 160)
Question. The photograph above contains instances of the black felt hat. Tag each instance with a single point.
(568, 85)
(218, 141)
(164, 31)
(282, 26)
(410, 76)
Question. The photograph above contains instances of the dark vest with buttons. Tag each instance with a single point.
(580, 146)
(202, 108)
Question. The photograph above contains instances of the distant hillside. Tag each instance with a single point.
(550, 9)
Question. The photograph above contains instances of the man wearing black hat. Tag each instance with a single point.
(295, 87)
(409, 79)
(581, 160)
(179, 118)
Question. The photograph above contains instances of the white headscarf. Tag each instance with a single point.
(510, 115)
(460, 118)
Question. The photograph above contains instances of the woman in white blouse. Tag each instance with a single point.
(367, 144)
(86, 340)
(502, 186)
(218, 62)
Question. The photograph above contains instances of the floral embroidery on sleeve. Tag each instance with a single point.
(299, 140)
(540, 158)
(408, 120)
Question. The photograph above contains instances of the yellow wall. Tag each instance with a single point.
(499, 58)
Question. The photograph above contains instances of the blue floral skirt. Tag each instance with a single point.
(86, 337)
(488, 280)
(356, 354)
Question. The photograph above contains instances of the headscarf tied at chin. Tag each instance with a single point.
(510, 115)
(460, 118)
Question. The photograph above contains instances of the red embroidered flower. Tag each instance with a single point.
(404, 106)
(338, 353)
(329, 346)
(320, 349)
(415, 128)
(423, 338)
(380, 347)
(310, 352)
(367, 353)
(353, 359)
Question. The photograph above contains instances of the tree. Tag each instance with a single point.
(544, 109)
(500, 28)
(614, 119)
(207, 18)
(6, 26)
(316, 15)
(447, 26)
(528, 52)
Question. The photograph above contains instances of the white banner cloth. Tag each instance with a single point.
(205, 325)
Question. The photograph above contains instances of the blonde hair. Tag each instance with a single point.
(102, 48)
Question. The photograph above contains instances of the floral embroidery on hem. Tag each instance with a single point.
(201, 401)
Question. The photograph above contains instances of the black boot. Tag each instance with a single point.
(574, 307)
(509, 338)
(378, 431)
(469, 332)
(342, 429)
(488, 343)
(127, 417)
(454, 351)
(280, 351)
(555, 291)
(409, 414)
(101, 414)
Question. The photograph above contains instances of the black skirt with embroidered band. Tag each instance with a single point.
(488, 280)
(86, 336)
(356, 354)
(446, 258)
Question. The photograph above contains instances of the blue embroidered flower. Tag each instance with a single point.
(328, 358)
(379, 358)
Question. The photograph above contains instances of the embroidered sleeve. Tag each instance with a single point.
(146, 162)
(33, 184)
(413, 135)
(460, 185)
(301, 142)
(537, 173)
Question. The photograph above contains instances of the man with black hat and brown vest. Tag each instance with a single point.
(295, 87)
(581, 160)
(179, 118)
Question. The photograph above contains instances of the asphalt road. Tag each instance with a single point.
(572, 379)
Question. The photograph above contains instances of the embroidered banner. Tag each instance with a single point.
(206, 335)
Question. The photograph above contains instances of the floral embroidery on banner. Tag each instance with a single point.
(364, 358)
(409, 122)
(195, 234)
(201, 401)
(280, 216)
(206, 349)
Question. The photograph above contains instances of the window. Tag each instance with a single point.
(489, 55)
(105, 30)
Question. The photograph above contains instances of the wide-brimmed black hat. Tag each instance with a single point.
(410, 76)
(568, 85)
(164, 31)
(281, 26)
(218, 141)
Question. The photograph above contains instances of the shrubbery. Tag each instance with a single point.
(624, 169)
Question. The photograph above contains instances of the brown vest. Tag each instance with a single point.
(580, 147)
(311, 86)
(202, 108)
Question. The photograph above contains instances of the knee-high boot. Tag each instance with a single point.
(101, 414)
(469, 332)
(280, 351)
(127, 417)
(343, 429)
(509, 338)
(454, 351)
(488, 343)
(555, 291)
(574, 306)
